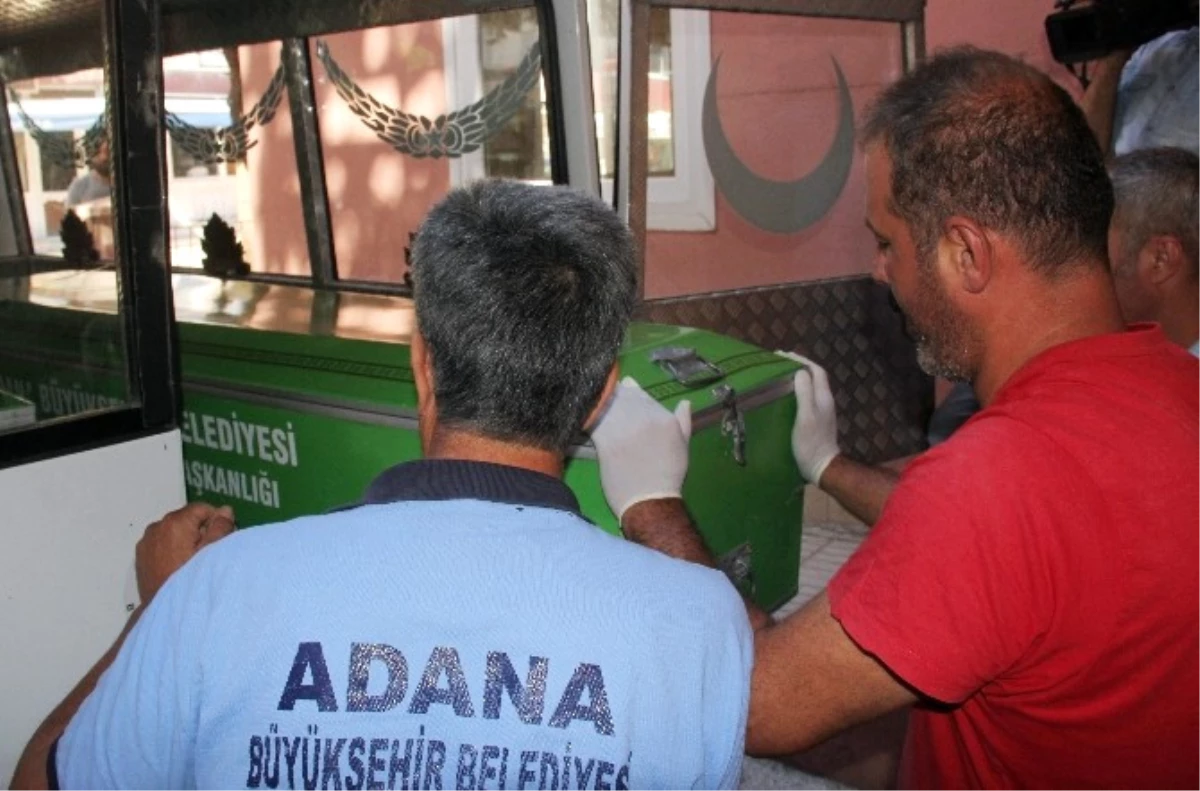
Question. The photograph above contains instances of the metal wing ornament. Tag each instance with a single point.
(450, 135)
(94, 137)
(207, 146)
(70, 154)
(229, 143)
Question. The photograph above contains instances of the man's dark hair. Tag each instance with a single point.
(523, 294)
(1156, 193)
(982, 135)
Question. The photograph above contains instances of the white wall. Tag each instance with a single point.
(69, 526)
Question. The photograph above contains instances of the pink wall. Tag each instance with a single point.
(1014, 26)
(778, 102)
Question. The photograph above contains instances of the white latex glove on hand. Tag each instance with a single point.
(643, 448)
(814, 435)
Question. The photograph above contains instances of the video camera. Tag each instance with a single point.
(1092, 31)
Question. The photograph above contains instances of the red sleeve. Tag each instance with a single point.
(956, 581)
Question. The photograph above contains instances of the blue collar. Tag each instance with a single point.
(452, 479)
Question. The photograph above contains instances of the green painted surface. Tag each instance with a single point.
(15, 411)
(273, 462)
(356, 371)
(283, 424)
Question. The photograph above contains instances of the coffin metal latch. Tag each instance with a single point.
(737, 564)
(732, 422)
(687, 367)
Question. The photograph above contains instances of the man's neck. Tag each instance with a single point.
(1181, 320)
(465, 446)
(1046, 315)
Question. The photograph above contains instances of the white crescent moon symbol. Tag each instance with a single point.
(779, 206)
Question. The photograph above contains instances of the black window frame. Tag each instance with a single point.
(130, 51)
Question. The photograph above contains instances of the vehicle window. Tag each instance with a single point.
(406, 112)
(232, 183)
(62, 348)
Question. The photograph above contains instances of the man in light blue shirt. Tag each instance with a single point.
(465, 626)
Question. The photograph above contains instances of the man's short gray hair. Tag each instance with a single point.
(1156, 193)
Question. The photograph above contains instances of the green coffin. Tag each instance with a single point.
(295, 399)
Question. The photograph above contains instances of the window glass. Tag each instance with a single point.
(660, 146)
(408, 111)
(58, 125)
(57, 174)
(20, 146)
(232, 186)
(186, 163)
(602, 41)
(62, 348)
(602, 37)
(519, 149)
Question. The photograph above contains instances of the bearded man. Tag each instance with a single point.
(1031, 583)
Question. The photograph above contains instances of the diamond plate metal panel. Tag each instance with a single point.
(847, 325)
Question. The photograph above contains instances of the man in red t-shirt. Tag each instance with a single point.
(1031, 584)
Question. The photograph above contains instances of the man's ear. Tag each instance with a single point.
(1160, 260)
(422, 368)
(971, 253)
(610, 384)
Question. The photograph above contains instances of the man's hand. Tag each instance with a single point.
(172, 541)
(1099, 100)
(814, 434)
(643, 448)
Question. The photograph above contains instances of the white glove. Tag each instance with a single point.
(643, 448)
(814, 435)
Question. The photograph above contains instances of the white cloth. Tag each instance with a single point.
(1158, 97)
(86, 188)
